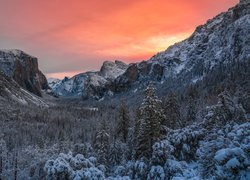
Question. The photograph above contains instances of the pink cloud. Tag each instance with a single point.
(74, 36)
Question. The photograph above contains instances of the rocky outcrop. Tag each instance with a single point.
(11, 92)
(111, 70)
(23, 68)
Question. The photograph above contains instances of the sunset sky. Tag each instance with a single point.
(72, 36)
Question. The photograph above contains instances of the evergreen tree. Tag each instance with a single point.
(172, 111)
(101, 143)
(118, 152)
(192, 105)
(123, 124)
(137, 124)
(151, 117)
(228, 108)
(191, 111)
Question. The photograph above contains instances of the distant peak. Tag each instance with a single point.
(120, 62)
(108, 63)
(66, 78)
(113, 62)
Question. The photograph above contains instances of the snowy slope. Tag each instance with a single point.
(222, 41)
(11, 91)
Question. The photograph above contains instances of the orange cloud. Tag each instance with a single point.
(69, 36)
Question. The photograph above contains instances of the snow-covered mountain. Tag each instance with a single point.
(23, 68)
(222, 41)
(89, 84)
(54, 82)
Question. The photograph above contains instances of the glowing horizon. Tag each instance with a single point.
(74, 37)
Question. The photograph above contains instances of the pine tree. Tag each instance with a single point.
(192, 105)
(123, 124)
(137, 125)
(191, 111)
(228, 108)
(117, 153)
(151, 118)
(101, 143)
(172, 111)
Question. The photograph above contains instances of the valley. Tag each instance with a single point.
(182, 114)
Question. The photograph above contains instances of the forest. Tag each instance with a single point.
(196, 132)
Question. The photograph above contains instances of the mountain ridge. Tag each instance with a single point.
(90, 83)
(221, 40)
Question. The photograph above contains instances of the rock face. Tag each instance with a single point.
(111, 70)
(10, 91)
(23, 68)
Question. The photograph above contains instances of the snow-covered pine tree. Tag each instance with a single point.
(229, 104)
(227, 109)
(101, 143)
(172, 111)
(151, 118)
(117, 152)
(124, 122)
